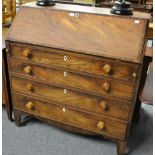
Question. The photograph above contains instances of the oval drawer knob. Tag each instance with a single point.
(28, 70)
(26, 53)
(106, 69)
(100, 125)
(103, 105)
(29, 105)
(29, 87)
(106, 87)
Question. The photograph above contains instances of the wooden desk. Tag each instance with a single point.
(67, 72)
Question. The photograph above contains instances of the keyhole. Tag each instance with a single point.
(64, 109)
(65, 74)
(65, 58)
(65, 91)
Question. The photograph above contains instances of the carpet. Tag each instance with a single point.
(38, 138)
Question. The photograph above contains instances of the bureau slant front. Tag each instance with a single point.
(77, 67)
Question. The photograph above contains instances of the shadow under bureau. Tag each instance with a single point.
(77, 67)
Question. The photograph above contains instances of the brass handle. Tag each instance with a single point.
(106, 87)
(101, 125)
(106, 69)
(28, 70)
(29, 87)
(26, 53)
(103, 105)
(29, 105)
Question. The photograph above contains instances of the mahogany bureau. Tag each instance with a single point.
(77, 67)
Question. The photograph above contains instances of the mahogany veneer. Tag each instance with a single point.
(78, 67)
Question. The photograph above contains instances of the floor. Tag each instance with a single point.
(38, 138)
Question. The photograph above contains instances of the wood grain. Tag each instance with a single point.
(78, 67)
(71, 117)
(75, 99)
(75, 61)
(87, 83)
(121, 146)
(102, 36)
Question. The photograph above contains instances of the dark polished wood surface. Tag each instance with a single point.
(86, 85)
(72, 117)
(88, 103)
(6, 94)
(75, 61)
(99, 86)
(76, 28)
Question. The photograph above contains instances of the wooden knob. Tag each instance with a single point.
(26, 53)
(29, 87)
(106, 87)
(106, 69)
(100, 125)
(103, 105)
(28, 70)
(29, 105)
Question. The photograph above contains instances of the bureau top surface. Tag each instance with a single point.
(81, 29)
(87, 9)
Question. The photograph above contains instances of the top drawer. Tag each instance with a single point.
(80, 62)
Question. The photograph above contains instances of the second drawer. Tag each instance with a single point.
(84, 101)
(80, 62)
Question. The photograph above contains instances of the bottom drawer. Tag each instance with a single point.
(100, 125)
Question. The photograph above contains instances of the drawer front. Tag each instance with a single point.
(65, 78)
(80, 62)
(71, 117)
(98, 105)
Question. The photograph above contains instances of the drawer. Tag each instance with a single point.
(62, 114)
(83, 101)
(81, 62)
(101, 86)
